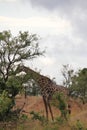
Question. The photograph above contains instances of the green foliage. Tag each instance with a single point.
(2, 86)
(59, 102)
(5, 105)
(78, 126)
(60, 120)
(37, 116)
(23, 117)
(76, 82)
(14, 85)
(13, 51)
(79, 85)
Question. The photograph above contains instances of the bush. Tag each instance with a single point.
(24, 117)
(60, 120)
(78, 126)
(37, 116)
(59, 102)
(5, 105)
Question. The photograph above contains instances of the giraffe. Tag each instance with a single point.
(47, 87)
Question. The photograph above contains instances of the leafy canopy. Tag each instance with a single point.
(14, 50)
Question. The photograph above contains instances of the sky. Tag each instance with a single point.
(61, 26)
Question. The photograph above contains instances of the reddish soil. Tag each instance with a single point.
(35, 103)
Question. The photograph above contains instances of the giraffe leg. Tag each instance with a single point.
(46, 107)
(50, 110)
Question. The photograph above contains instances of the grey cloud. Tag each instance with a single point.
(63, 46)
(63, 5)
(62, 50)
(48, 4)
(80, 25)
(74, 10)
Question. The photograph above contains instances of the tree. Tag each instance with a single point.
(67, 73)
(79, 84)
(76, 82)
(13, 51)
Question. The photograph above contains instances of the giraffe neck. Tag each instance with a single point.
(40, 79)
(46, 84)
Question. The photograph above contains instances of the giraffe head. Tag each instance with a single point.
(19, 68)
(33, 74)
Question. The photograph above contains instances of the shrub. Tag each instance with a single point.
(37, 116)
(59, 102)
(60, 120)
(24, 117)
(78, 126)
(5, 105)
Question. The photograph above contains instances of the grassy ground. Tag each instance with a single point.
(37, 125)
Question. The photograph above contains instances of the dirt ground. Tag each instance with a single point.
(35, 103)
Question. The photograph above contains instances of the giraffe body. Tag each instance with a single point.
(47, 87)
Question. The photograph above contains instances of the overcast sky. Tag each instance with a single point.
(61, 25)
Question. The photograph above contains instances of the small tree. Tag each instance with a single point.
(60, 102)
(79, 84)
(67, 73)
